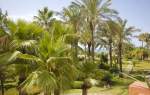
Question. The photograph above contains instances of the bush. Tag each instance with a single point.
(103, 58)
(140, 77)
(77, 84)
(105, 79)
(114, 70)
(121, 81)
(104, 66)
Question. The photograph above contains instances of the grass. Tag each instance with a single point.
(115, 90)
(11, 91)
(139, 65)
(144, 65)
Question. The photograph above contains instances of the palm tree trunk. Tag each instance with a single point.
(2, 86)
(93, 47)
(110, 53)
(120, 56)
(85, 52)
(142, 44)
(76, 50)
(92, 41)
(89, 49)
(22, 78)
(84, 91)
(57, 92)
(76, 44)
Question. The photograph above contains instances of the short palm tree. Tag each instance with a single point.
(23, 36)
(53, 64)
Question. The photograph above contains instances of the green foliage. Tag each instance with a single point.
(45, 52)
(104, 66)
(106, 78)
(114, 69)
(77, 84)
(87, 70)
(103, 58)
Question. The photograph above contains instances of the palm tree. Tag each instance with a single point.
(123, 34)
(141, 38)
(93, 11)
(3, 20)
(4, 48)
(53, 64)
(144, 38)
(24, 36)
(44, 18)
(72, 15)
(87, 72)
(105, 36)
(6, 70)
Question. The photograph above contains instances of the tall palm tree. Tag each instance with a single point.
(123, 34)
(93, 11)
(141, 38)
(105, 36)
(72, 15)
(144, 38)
(44, 18)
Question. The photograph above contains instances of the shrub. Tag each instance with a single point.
(104, 66)
(77, 84)
(114, 70)
(105, 79)
(121, 81)
(140, 77)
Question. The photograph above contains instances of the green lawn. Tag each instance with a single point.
(115, 90)
(140, 65)
(145, 65)
(12, 91)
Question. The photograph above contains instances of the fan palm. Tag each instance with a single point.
(53, 67)
(4, 66)
(5, 49)
(24, 36)
(88, 71)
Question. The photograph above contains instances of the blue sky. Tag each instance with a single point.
(135, 11)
